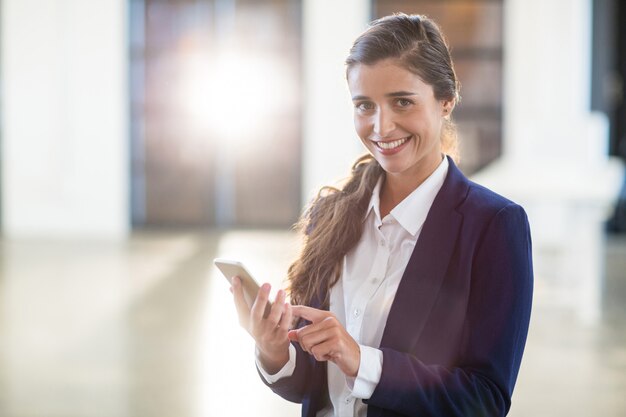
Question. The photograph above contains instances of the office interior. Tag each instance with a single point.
(140, 139)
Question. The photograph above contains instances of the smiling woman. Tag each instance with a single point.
(414, 285)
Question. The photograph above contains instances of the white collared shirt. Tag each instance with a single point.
(362, 298)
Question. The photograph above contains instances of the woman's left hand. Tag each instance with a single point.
(326, 339)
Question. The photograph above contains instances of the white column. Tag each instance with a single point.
(547, 79)
(330, 144)
(64, 118)
(555, 160)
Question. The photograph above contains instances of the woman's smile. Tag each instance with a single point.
(393, 146)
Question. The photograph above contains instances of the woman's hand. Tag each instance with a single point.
(327, 340)
(269, 333)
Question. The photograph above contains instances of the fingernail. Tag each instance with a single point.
(235, 281)
(280, 293)
(266, 287)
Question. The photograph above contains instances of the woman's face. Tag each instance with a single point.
(398, 118)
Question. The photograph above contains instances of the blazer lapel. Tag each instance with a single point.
(427, 266)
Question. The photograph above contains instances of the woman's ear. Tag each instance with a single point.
(448, 106)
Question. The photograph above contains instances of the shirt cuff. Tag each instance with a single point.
(370, 370)
(285, 371)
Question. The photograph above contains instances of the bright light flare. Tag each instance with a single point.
(232, 95)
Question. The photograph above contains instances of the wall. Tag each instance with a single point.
(64, 118)
(330, 144)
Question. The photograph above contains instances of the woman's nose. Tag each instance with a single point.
(383, 123)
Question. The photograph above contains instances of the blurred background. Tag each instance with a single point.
(140, 139)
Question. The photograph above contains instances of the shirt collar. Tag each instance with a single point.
(412, 211)
(374, 204)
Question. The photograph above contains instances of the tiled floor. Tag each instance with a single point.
(146, 328)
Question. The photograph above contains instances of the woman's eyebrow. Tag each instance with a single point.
(394, 94)
(400, 94)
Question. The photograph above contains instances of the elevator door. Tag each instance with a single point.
(215, 114)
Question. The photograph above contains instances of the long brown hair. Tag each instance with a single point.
(333, 222)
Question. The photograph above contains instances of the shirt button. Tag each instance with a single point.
(348, 400)
(357, 312)
(374, 280)
(382, 243)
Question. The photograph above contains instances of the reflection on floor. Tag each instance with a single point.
(146, 328)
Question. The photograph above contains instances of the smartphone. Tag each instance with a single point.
(230, 269)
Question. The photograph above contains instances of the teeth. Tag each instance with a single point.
(391, 145)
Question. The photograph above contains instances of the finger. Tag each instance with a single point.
(258, 308)
(324, 351)
(311, 314)
(243, 311)
(277, 309)
(324, 335)
(328, 322)
(285, 320)
(293, 335)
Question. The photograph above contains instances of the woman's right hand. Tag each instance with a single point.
(269, 333)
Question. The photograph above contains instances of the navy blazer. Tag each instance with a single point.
(456, 331)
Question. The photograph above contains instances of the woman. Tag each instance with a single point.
(414, 284)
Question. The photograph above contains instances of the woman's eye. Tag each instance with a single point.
(403, 102)
(364, 106)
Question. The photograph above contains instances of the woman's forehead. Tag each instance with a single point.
(384, 77)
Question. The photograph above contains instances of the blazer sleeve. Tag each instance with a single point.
(293, 388)
(481, 381)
